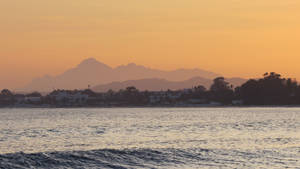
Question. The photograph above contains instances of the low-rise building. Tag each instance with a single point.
(237, 102)
(65, 97)
(33, 99)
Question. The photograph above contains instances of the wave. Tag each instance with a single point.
(147, 158)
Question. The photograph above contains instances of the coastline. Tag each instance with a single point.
(149, 106)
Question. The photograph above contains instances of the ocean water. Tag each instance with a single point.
(150, 138)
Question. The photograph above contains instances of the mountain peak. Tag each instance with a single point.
(89, 61)
(92, 62)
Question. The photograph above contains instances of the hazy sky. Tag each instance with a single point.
(233, 37)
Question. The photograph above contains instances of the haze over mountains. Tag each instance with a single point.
(156, 84)
(102, 77)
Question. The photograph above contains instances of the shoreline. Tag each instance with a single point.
(150, 106)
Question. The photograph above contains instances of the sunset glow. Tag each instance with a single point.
(236, 38)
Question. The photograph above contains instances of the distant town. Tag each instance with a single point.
(272, 89)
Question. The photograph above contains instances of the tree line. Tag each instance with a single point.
(271, 89)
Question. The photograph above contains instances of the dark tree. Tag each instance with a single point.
(200, 89)
(269, 90)
(6, 97)
(221, 91)
(6, 93)
(132, 95)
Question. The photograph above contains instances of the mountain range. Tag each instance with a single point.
(156, 84)
(100, 76)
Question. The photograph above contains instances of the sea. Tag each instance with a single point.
(121, 138)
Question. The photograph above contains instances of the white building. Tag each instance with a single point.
(67, 97)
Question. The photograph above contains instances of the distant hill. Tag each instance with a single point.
(92, 72)
(156, 84)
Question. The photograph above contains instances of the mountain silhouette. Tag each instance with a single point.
(155, 84)
(92, 72)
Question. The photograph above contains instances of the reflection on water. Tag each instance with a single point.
(150, 137)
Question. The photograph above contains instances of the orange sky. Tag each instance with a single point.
(232, 37)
